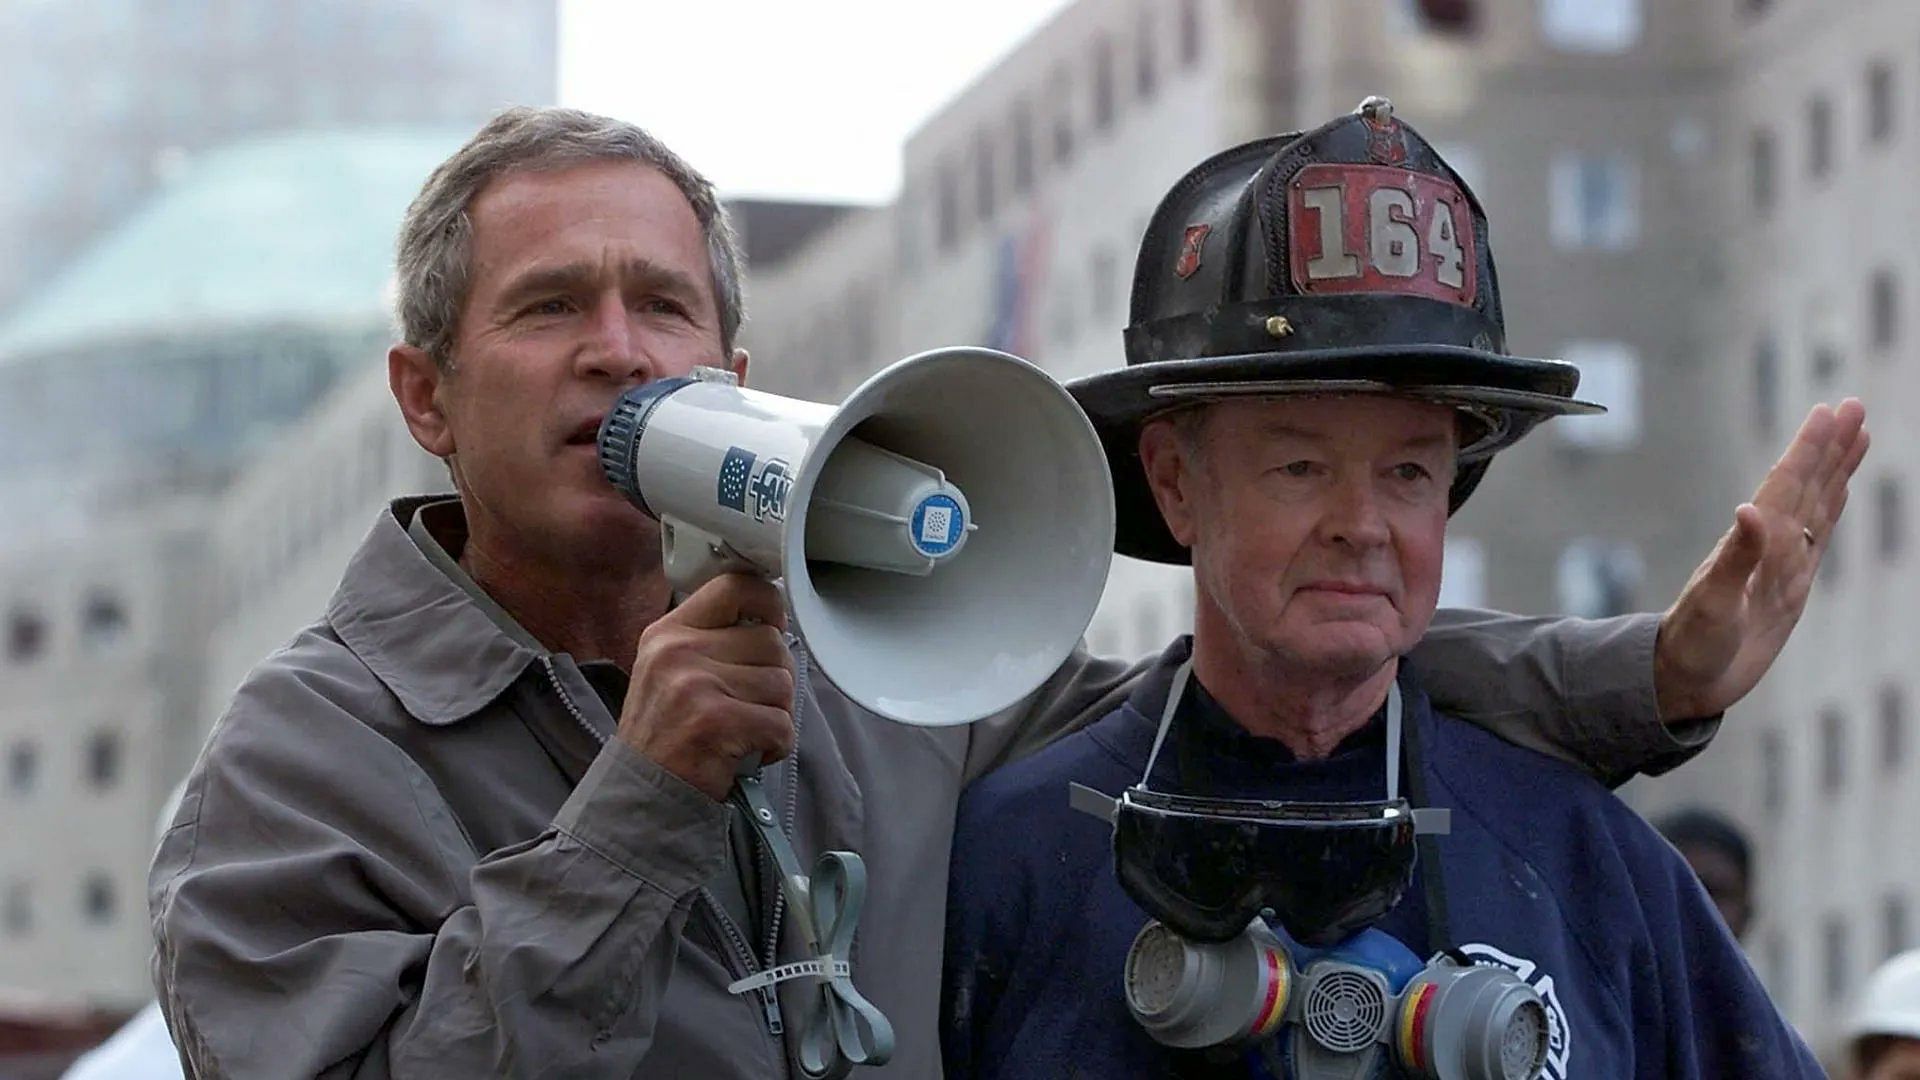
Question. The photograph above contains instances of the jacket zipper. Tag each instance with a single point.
(769, 998)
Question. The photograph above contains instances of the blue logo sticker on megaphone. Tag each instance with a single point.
(938, 525)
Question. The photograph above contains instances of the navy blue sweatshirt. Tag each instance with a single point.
(1544, 872)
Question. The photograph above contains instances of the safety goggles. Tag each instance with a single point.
(1206, 867)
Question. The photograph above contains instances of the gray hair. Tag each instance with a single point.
(435, 255)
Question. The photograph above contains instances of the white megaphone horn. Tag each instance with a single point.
(944, 534)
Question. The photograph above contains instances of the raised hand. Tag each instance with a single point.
(1742, 603)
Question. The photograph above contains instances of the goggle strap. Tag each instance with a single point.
(1093, 803)
(1393, 740)
(1178, 691)
(1174, 695)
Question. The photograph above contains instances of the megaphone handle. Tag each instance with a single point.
(692, 557)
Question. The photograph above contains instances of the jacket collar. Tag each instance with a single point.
(415, 628)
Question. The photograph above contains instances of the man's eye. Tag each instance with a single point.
(660, 305)
(1411, 471)
(553, 305)
(1299, 470)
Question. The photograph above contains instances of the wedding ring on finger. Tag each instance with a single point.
(1808, 533)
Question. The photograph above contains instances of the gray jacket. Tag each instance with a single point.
(412, 848)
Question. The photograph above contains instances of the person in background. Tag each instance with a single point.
(1883, 1033)
(1721, 858)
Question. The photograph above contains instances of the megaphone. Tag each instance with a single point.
(944, 533)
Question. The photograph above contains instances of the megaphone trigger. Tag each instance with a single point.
(692, 557)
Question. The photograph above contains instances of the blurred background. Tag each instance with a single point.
(1708, 205)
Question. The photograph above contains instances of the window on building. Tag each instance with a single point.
(1819, 136)
(1833, 750)
(23, 764)
(18, 915)
(1591, 26)
(1761, 166)
(1883, 309)
(1454, 17)
(26, 634)
(984, 186)
(1766, 386)
(1022, 148)
(1892, 524)
(1146, 70)
(1839, 981)
(1880, 103)
(103, 759)
(1189, 33)
(1773, 773)
(1600, 578)
(946, 209)
(1062, 117)
(1103, 103)
(1895, 932)
(1463, 573)
(103, 620)
(1596, 201)
(1893, 727)
(1825, 365)
(97, 898)
(1106, 285)
(1755, 8)
(1060, 307)
(1609, 375)
(1779, 972)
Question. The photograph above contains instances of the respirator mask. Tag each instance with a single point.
(1260, 935)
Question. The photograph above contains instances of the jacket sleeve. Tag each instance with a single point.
(1580, 690)
(317, 911)
(1086, 688)
(1577, 689)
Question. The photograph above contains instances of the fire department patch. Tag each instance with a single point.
(1380, 229)
(1190, 244)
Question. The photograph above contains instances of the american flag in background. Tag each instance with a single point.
(1019, 275)
(735, 468)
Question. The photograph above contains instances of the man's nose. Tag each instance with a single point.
(616, 350)
(1355, 519)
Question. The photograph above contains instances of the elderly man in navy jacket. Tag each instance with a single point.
(1316, 379)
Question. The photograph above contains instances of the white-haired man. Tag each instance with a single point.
(1316, 379)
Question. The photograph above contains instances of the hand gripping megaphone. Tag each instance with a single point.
(944, 536)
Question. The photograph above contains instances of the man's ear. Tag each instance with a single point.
(739, 365)
(1169, 465)
(415, 380)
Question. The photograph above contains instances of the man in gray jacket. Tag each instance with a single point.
(471, 822)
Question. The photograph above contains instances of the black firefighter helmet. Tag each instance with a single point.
(1345, 260)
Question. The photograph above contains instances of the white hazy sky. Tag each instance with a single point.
(804, 99)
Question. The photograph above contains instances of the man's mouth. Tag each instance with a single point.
(587, 434)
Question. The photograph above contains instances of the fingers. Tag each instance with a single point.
(1785, 488)
(1719, 584)
(713, 683)
(1851, 448)
(730, 599)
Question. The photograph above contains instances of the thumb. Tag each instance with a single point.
(1723, 577)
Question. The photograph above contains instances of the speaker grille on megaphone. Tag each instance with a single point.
(944, 535)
